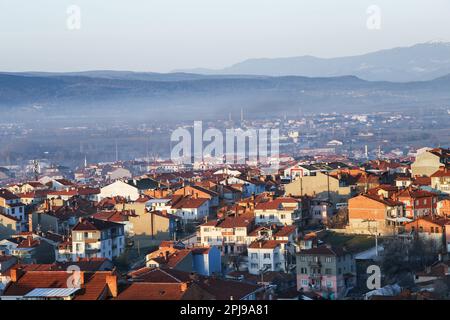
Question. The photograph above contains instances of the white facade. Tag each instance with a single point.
(270, 259)
(119, 188)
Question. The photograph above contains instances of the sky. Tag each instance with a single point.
(163, 35)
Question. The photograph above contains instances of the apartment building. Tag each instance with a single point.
(374, 214)
(326, 270)
(93, 238)
(440, 180)
(266, 255)
(230, 235)
(11, 206)
(280, 211)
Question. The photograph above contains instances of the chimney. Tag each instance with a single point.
(167, 255)
(16, 274)
(183, 286)
(81, 275)
(111, 282)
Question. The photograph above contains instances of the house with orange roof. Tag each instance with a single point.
(440, 180)
(374, 214)
(417, 202)
(429, 161)
(189, 208)
(266, 255)
(435, 229)
(230, 234)
(280, 211)
(11, 206)
(94, 238)
(60, 285)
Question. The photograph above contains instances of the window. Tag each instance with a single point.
(329, 284)
(283, 216)
(261, 216)
(303, 270)
(302, 258)
(304, 283)
(328, 259)
(266, 255)
(254, 266)
(254, 256)
(339, 271)
(78, 236)
(271, 217)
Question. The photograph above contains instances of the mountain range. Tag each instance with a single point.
(259, 86)
(425, 61)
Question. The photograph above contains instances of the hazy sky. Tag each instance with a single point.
(162, 35)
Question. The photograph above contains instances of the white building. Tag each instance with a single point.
(119, 188)
(265, 255)
(94, 238)
(280, 211)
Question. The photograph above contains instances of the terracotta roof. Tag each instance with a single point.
(415, 193)
(385, 201)
(276, 204)
(285, 231)
(265, 244)
(94, 224)
(152, 291)
(173, 259)
(442, 172)
(189, 203)
(231, 222)
(160, 275)
(324, 250)
(8, 195)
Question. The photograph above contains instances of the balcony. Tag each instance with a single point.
(315, 264)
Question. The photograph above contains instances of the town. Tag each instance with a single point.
(325, 226)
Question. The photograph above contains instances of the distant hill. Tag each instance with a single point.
(190, 96)
(424, 61)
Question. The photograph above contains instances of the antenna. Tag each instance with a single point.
(85, 161)
(242, 115)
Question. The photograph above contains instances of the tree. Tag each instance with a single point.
(401, 259)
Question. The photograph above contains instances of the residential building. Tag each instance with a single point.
(429, 161)
(440, 180)
(280, 211)
(229, 235)
(373, 214)
(93, 238)
(326, 270)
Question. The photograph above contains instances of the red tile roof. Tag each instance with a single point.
(276, 204)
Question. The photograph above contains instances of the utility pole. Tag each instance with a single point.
(376, 233)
